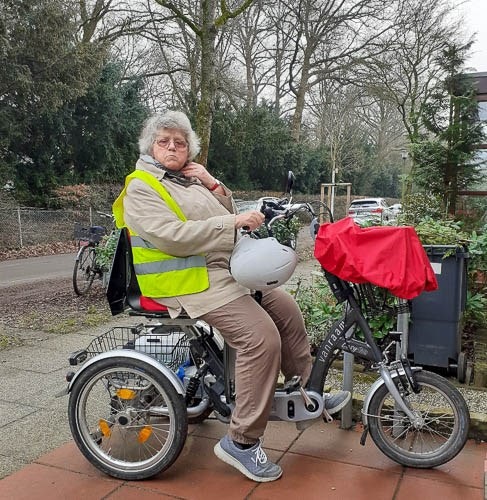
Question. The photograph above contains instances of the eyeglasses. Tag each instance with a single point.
(179, 144)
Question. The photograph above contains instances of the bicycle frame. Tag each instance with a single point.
(89, 239)
(308, 400)
(339, 340)
(96, 269)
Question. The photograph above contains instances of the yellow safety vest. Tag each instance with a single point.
(160, 274)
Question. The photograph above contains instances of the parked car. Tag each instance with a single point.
(370, 209)
(396, 209)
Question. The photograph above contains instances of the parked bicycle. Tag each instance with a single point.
(88, 265)
(138, 387)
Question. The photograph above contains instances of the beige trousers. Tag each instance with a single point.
(267, 338)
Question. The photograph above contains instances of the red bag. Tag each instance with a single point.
(387, 256)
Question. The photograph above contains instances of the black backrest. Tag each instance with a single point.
(120, 274)
(123, 290)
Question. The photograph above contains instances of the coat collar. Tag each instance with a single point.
(149, 163)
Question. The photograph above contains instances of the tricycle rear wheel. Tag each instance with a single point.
(127, 418)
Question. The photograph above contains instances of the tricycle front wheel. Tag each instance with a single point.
(445, 419)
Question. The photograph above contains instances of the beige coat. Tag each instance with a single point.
(209, 230)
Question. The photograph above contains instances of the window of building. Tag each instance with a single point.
(483, 111)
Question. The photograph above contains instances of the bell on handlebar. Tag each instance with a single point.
(314, 227)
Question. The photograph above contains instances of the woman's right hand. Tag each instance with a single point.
(249, 220)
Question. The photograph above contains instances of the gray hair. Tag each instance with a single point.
(172, 120)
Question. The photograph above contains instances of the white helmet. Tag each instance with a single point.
(262, 264)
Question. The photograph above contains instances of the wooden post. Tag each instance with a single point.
(326, 189)
(20, 227)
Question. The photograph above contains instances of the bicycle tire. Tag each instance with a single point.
(84, 271)
(291, 242)
(443, 434)
(127, 418)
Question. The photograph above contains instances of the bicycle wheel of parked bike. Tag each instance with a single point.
(127, 418)
(84, 271)
(442, 433)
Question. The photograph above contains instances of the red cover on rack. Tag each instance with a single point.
(387, 256)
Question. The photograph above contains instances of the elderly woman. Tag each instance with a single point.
(180, 210)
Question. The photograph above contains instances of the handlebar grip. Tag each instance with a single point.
(271, 204)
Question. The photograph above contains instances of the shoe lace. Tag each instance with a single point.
(260, 456)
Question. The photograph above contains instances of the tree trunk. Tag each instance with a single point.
(204, 113)
(300, 101)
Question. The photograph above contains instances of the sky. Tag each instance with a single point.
(476, 21)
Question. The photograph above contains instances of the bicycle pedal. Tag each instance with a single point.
(327, 418)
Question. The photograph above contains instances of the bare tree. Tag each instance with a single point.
(263, 38)
(383, 122)
(399, 71)
(409, 69)
(248, 34)
(109, 20)
(212, 16)
(335, 108)
(332, 36)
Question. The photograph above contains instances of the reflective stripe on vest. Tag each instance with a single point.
(160, 274)
(170, 265)
(137, 241)
(162, 266)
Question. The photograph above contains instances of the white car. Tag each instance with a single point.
(370, 209)
(396, 209)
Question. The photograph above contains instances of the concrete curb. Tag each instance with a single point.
(478, 426)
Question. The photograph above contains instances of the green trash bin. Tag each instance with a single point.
(435, 333)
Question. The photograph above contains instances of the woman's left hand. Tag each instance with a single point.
(197, 170)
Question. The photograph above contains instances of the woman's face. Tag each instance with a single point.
(171, 148)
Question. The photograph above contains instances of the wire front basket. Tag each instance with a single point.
(375, 301)
(93, 234)
(168, 344)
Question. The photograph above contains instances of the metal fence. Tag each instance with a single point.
(24, 226)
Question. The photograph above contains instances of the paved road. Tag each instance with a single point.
(16, 272)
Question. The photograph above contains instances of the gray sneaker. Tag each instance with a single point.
(251, 462)
(335, 402)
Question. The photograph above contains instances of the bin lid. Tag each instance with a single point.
(450, 250)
